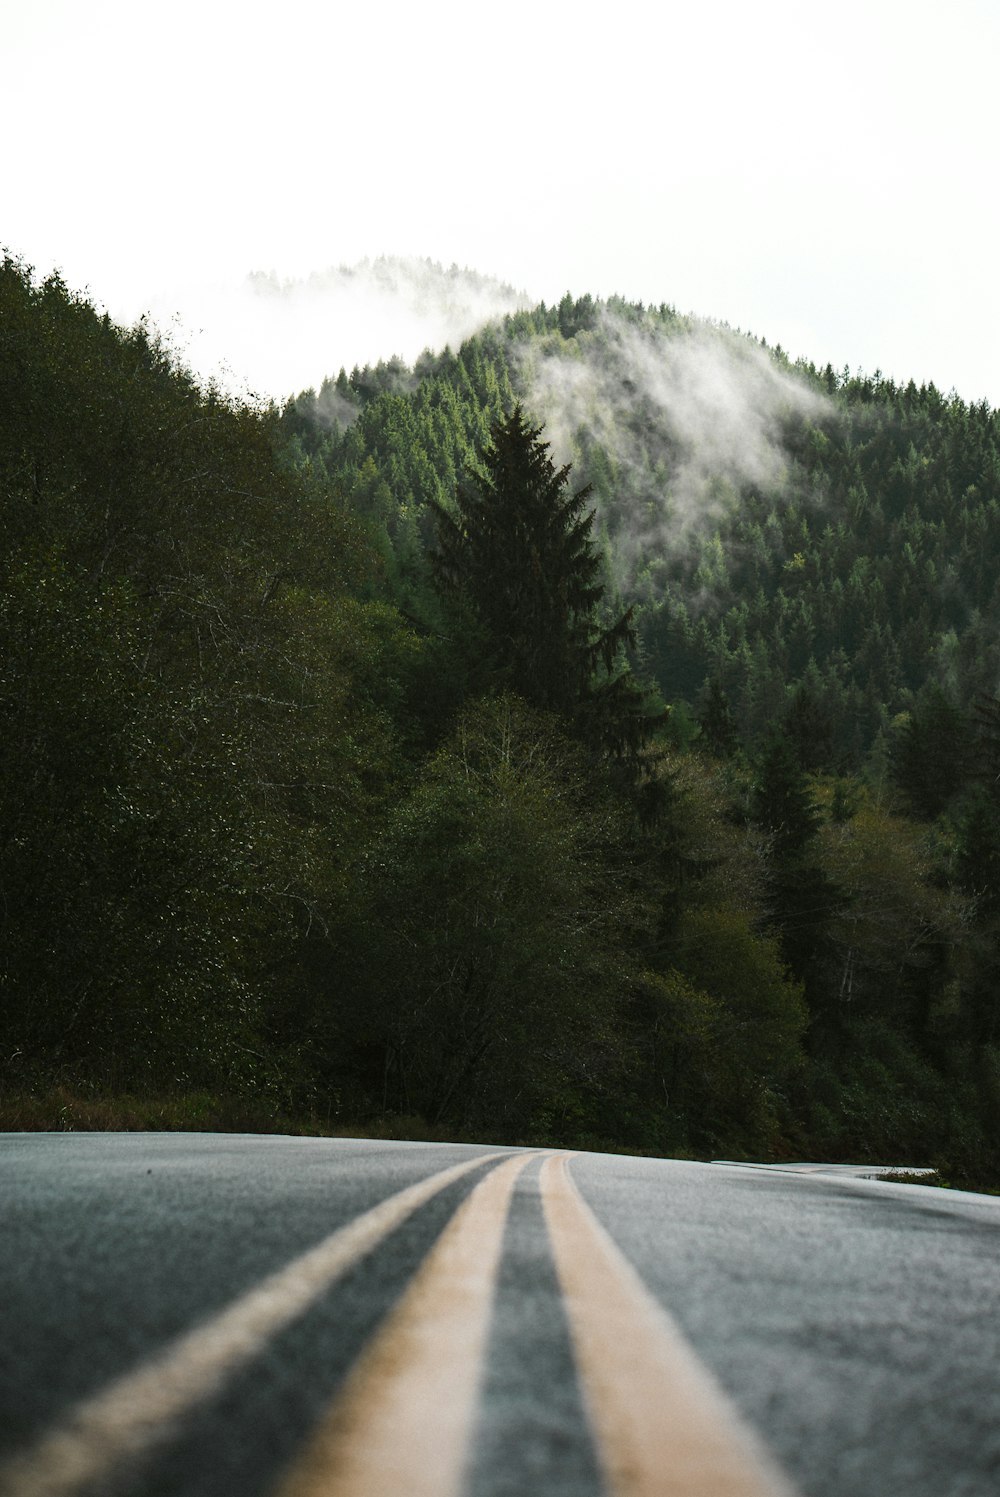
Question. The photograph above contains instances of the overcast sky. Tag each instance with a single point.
(824, 176)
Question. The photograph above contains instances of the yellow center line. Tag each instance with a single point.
(137, 1410)
(664, 1427)
(403, 1422)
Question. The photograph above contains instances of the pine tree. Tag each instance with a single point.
(718, 726)
(782, 803)
(518, 558)
(932, 754)
(801, 896)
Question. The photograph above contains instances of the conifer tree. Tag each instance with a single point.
(802, 897)
(782, 803)
(517, 557)
(718, 726)
(932, 754)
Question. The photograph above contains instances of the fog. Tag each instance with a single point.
(688, 413)
(266, 338)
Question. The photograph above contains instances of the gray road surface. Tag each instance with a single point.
(855, 1325)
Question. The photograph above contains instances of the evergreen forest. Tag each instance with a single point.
(590, 735)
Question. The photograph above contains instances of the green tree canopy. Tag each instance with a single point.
(516, 557)
(493, 917)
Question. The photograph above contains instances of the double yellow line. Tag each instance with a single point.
(402, 1422)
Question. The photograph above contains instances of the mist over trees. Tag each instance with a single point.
(590, 735)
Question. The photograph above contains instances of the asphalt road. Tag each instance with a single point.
(205, 1314)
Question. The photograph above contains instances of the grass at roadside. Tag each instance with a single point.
(62, 1108)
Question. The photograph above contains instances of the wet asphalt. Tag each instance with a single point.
(856, 1324)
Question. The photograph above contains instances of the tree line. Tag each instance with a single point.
(338, 772)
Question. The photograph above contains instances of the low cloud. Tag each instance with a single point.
(687, 414)
(271, 338)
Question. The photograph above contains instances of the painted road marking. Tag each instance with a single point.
(404, 1420)
(664, 1427)
(137, 1410)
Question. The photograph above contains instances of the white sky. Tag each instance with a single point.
(824, 176)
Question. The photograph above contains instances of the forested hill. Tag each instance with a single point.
(336, 780)
(824, 548)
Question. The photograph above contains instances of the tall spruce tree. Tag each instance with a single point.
(801, 896)
(517, 557)
(718, 726)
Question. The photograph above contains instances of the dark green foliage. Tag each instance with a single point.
(718, 726)
(277, 819)
(802, 898)
(493, 914)
(782, 801)
(932, 754)
(517, 561)
(986, 750)
(810, 726)
(167, 742)
(832, 606)
(867, 573)
(978, 872)
(978, 855)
